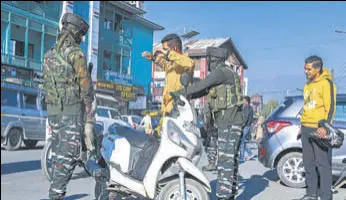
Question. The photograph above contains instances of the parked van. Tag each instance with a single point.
(23, 115)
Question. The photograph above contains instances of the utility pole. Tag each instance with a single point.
(332, 71)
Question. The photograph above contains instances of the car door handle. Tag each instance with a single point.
(23, 114)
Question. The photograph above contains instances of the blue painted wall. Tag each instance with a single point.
(140, 68)
(81, 8)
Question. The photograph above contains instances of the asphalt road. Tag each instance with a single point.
(21, 178)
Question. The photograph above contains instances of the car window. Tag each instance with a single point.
(292, 108)
(125, 119)
(340, 112)
(288, 108)
(30, 101)
(8, 98)
(136, 119)
(115, 114)
(102, 112)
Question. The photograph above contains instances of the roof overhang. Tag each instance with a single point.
(203, 52)
(128, 7)
(147, 23)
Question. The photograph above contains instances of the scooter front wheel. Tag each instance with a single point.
(194, 191)
(46, 160)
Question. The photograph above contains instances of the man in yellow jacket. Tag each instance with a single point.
(319, 104)
(174, 63)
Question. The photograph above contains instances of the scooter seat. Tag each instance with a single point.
(134, 137)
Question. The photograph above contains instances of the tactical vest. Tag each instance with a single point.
(61, 84)
(226, 96)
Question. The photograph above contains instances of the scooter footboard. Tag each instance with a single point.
(190, 168)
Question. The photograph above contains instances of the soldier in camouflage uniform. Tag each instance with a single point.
(68, 90)
(228, 115)
(211, 140)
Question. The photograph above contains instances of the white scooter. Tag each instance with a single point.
(143, 166)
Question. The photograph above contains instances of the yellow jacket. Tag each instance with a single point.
(318, 100)
(174, 68)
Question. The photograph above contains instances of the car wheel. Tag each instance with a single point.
(30, 143)
(14, 139)
(291, 170)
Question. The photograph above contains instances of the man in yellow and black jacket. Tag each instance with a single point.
(174, 63)
(319, 104)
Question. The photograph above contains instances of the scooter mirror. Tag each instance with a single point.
(184, 79)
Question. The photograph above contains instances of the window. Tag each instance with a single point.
(8, 98)
(115, 114)
(340, 112)
(117, 62)
(17, 47)
(117, 24)
(102, 112)
(107, 60)
(197, 64)
(106, 102)
(30, 101)
(31, 51)
(107, 25)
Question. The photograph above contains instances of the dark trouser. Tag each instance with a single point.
(66, 146)
(101, 179)
(316, 158)
(243, 144)
(212, 150)
(227, 164)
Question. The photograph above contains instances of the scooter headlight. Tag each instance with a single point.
(174, 132)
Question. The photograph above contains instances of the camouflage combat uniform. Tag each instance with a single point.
(67, 87)
(211, 143)
(228, 115)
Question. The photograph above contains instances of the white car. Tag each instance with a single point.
(109, 116)
(133, 120)
(106, 115)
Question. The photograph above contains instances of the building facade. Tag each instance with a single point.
(28, 30)
(197, 51)
(117, 35)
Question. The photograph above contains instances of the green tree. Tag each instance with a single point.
(269, 107)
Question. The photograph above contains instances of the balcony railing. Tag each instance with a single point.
(20, 61)
(34, 64)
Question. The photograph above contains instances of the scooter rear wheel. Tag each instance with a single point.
(194, 191)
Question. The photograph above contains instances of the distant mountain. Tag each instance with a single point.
(276, 87)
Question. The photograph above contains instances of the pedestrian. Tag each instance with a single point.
(228, 115)
(259, 130)
(319, 104)
(174, 63)
(248, 116)
(146, 121)
(68, 92)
